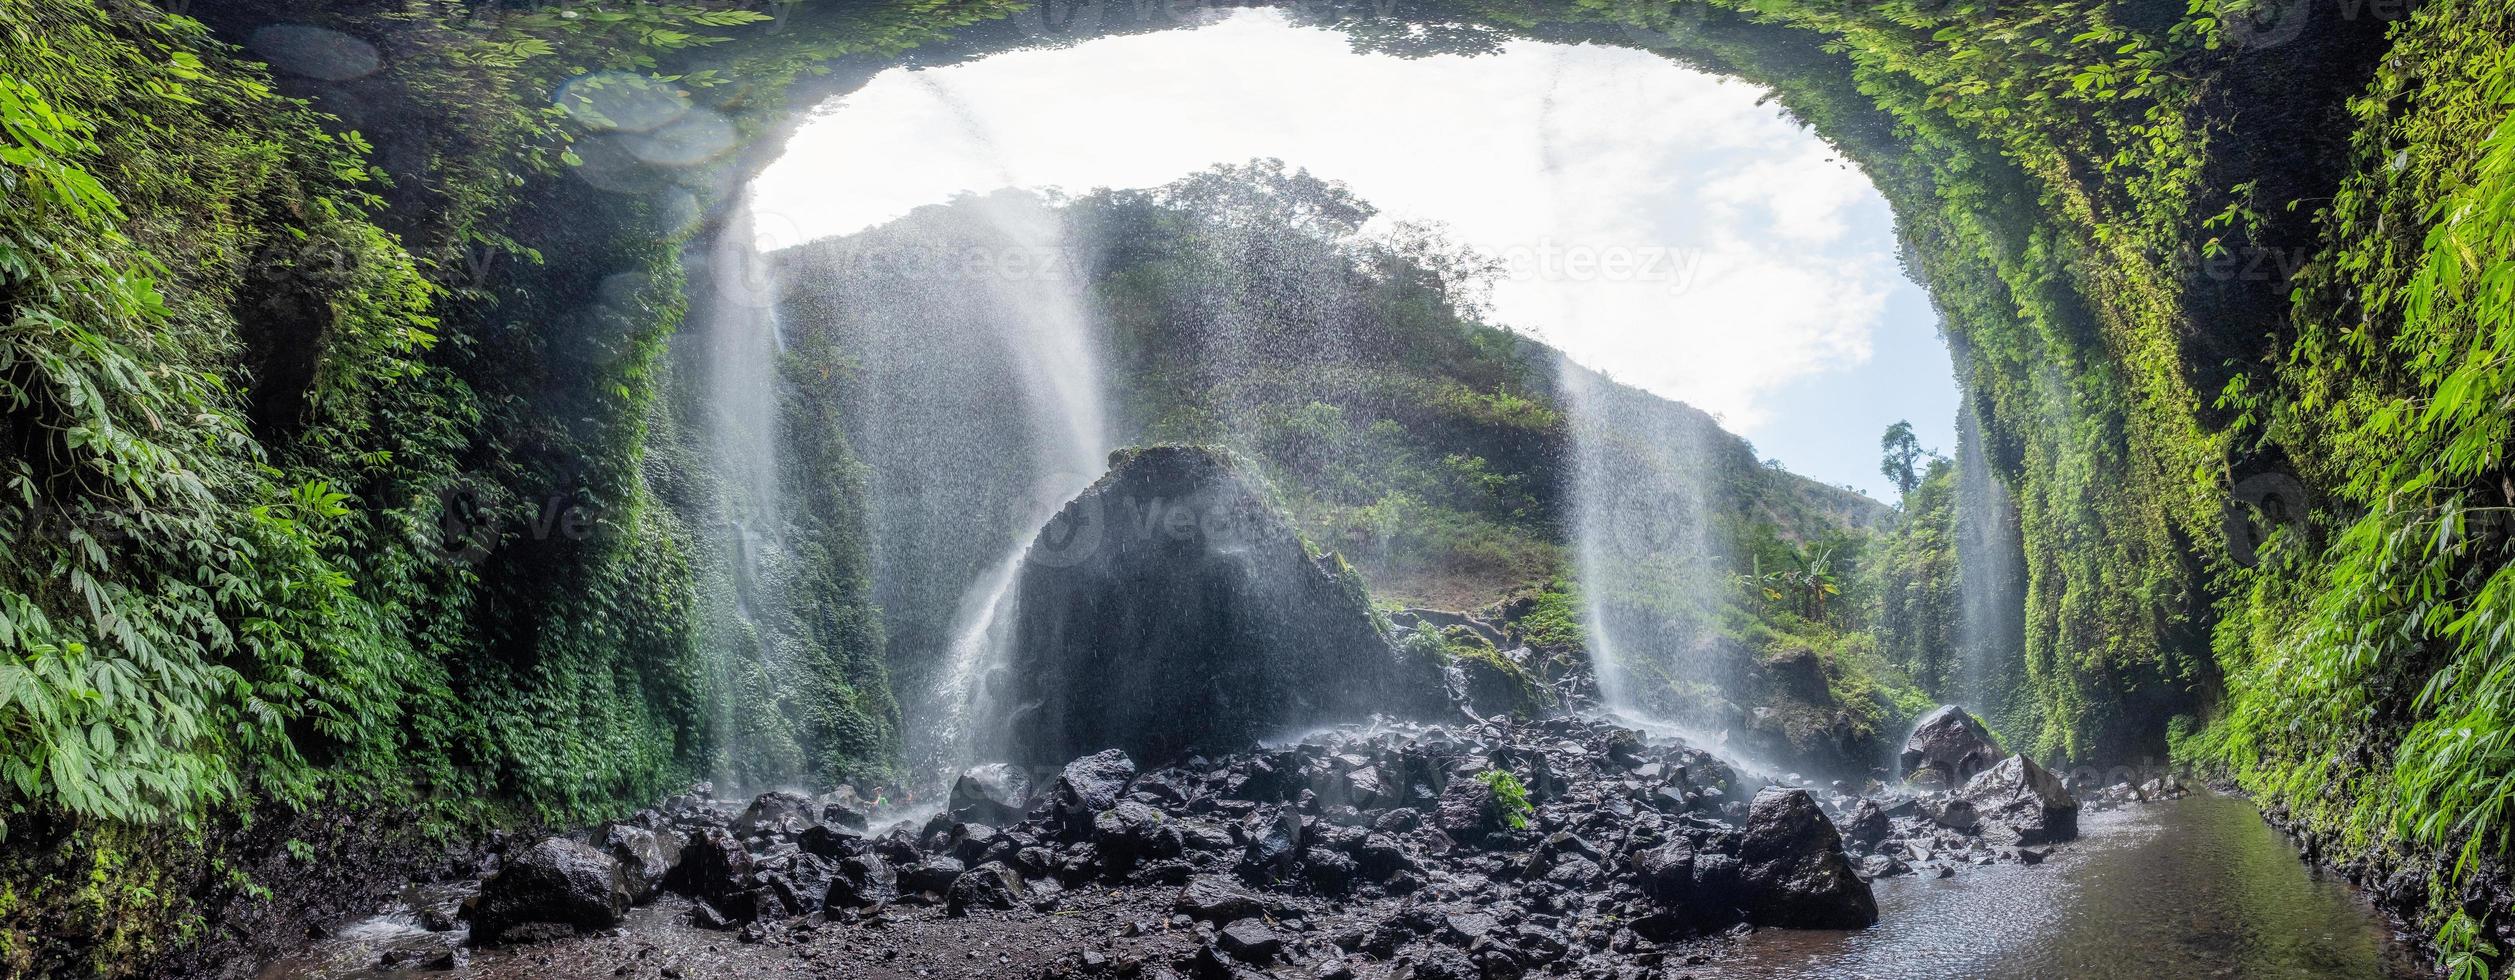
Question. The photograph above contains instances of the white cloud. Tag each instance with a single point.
(1783, 256)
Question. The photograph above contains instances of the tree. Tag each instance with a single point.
(1903, 456)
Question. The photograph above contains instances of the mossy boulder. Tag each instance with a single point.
(1171, 608)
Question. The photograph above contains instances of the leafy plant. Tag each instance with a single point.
(1510, 795)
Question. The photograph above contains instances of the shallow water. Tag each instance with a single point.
(2198, 887)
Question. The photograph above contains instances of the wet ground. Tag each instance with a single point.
(2198, 887)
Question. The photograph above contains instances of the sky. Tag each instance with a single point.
(1655, 222)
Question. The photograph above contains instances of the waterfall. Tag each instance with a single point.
(1050, 338)
(741, 345)
(1645, 548)
(975, 404)
(1990, 630)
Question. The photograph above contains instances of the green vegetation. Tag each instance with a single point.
(1511, 795)
(255, 360)
(1914, 581)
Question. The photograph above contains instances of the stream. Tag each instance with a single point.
(2196, 887)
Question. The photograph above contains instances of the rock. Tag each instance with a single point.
(826, 841)
(1869, 825)
(1213, 898)
(933, 875)
(972, 842)
(1792, 869)
(779, 812)
(1956, 814)
(714, 867)
(1950, 743)
(554, 881)
(1469, 811)
(1380, 857)
(1493, 682)
(861, 882)
(1250, 941)
(1092, 783)
(1170, 608)
(1273, 843)
(2022, 803)
(996, 793)
(848, 815)
(1128, 832)
(987, 886)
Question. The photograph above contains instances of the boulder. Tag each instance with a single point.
(987, 886)
(714, 867)
(995, 793)
(1091, 784)
(646, 856)
(778, 813)
(2020, 802)
(1869, 825)
(554, 882)
(1792, 870)
(1170, 607)
(1250, 941)
(862, 881)
(1469, 811)
(1950, 744)
(1216, 899)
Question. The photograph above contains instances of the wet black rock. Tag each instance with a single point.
(987, 886)
(1792, 869)
(1470, 811)
(996, 793)
(862, 881)
(1250, 941)
(782, 813)
(646, 856)
(1091, 784)
(1170, 608)
(1869, 826)
(2020, 802)
(1950, 745)
(932, 876)
(1213, 898)
(714, 866)
(554, 882)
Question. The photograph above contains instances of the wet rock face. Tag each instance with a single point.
(2020, 802)
(1949, 745)
(1170, 608)
(556, 882)
(1792, 869)
(995, 793)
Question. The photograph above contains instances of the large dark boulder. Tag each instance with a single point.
(1171, 608)
(778, 813)
(1792, 869)
(554, 882)
(987, 886)
(995, 793)
(1950, 745)
(714, 867)
(2019, 802)
(646, 856)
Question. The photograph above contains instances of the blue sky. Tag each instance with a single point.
(1659, 224)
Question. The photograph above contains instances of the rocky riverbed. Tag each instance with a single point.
(1563, 847)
